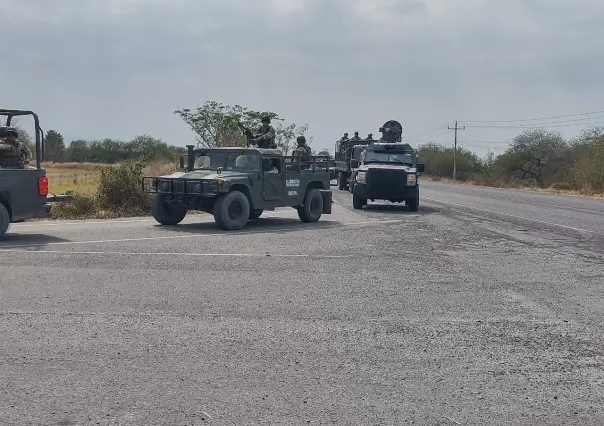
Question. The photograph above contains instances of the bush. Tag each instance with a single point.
(120, 193)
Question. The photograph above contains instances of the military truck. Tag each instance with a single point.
(24, 189)
(387, 170)
(344, 153)
(238, 184)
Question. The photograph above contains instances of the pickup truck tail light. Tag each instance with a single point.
(43, 186)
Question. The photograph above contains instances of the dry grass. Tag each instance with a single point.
(520, 187)
(82, 178)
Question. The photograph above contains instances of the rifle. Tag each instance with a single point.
(247, 132)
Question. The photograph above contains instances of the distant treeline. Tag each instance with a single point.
(536, 157)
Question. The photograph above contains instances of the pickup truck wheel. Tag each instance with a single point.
(4, 221)
(312, 209)
(256, 213)
(167, 213)
(358, 202)
(232, 210)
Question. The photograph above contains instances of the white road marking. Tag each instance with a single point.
(201, 235)
(511, 215)
(129, 253)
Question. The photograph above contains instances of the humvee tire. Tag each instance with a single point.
(256, 213)
(4, 221)
(232, 210)
(167, 213)
(313, 206)
(358, 202)
(341, 181)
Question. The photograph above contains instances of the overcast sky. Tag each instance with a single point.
(118, 68)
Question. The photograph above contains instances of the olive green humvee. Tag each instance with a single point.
(238, 184)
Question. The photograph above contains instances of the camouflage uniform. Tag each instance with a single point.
(302, 149)
(23, 152)
(342, 142)
(356, 137)
(265, 135)
(369, 137)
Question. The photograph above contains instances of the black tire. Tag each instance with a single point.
(312, 209)
(358, 202)
(256, 213)
(167, 213)
(232, 210)
(4, 221)
(413, 204)
(341, 181)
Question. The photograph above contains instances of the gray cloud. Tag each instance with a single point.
(116, 69)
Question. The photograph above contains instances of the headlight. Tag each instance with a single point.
(361, 177)
(411, 180)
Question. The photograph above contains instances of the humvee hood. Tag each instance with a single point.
(206, 174)
(404, 167)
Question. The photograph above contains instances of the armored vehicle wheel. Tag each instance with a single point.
(313, 206)
(4, 221)
(358, 202)
(255, 213)
(341, 181)
(167, 213)
(232, 210)
(413, 203)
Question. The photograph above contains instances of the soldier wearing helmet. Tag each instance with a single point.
(265, 135)
(22, 151)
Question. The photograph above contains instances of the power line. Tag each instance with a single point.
(528, 126)
(456, 128)
(534, 119)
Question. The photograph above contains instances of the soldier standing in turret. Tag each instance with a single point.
(265, 135)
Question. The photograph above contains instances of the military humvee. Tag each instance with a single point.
(238, 184)
(24, 190)
(388, 170)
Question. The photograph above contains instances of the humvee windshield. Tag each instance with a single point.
(390, 157)
(242, 161)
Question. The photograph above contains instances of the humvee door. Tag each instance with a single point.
(273, 181)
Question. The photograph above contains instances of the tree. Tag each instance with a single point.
(54, 146)
(216, 125)
(534, 155)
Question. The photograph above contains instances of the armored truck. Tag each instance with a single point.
(238, 184)
(388, 169)
(24, 189)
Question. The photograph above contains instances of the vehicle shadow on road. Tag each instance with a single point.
(261, 225)
(37, 241)
(398, 209)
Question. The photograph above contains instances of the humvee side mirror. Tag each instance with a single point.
(266, 165)
(182, 162)
(420, 167)
(354, 164)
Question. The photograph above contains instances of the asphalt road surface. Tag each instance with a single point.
(485, 307)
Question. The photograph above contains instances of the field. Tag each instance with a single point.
(82, 178)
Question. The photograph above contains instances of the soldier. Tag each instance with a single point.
(302, 149)
(265, 135)
(356, 137)
(369, 137)
(23, 152)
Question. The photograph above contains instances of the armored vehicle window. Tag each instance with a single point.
(389, 157)
(248, 161)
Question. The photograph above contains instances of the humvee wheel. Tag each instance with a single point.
(358, 202)
(167, 213)
(256, 213)
(232, 210)
(312, 208)
(341, 181)
(4, 220)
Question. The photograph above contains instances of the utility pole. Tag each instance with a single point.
(456, 128)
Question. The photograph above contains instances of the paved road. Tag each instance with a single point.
(457, 314)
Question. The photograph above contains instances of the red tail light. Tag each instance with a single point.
(43, 186)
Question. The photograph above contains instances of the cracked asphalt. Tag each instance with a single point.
(485, 307)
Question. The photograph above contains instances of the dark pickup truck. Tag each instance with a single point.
(24, 190)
